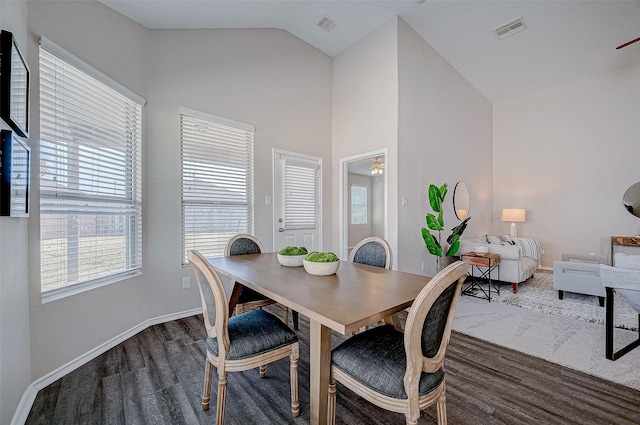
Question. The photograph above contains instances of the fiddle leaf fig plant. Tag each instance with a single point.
(435, 222)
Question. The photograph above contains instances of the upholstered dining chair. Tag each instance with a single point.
(403, 372)
(242, 342)
(242, 298)
(373, 251)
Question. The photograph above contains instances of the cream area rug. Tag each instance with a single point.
(537, 294)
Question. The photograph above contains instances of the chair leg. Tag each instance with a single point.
(206, 391)
(560, 294)
(294, 314)
(601, 301)
(222, 395)
(441, 406)
(293, 372)
(413, 413)
(263, 370)
(331, 408)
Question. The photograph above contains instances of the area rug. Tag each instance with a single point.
(537, 294)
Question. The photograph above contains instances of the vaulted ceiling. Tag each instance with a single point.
(563, 41)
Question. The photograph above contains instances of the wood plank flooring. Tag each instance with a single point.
(156, 378)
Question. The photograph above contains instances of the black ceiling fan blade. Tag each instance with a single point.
(627, 43)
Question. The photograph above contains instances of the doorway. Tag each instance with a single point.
(297, 200)
(363, 199)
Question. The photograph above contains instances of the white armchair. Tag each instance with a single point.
(624, 278)
(579, 274)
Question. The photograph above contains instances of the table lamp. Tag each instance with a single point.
(514, 215)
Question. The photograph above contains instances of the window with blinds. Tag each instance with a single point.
(217, 181)
(300, 185)
(90, 176)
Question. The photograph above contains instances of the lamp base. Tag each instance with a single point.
(514, 231)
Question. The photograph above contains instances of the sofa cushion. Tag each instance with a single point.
(627, 261)
(506, 252)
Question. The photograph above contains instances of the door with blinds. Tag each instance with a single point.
(297, 200)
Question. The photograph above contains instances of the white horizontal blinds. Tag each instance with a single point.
(90, 176)
(217, 182)
(300, 181)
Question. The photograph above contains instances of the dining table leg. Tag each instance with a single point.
(320, 364)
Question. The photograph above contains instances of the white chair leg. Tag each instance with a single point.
(206, 391)
(222, 395)
(331, 408)
(293, 372)
(441, 406)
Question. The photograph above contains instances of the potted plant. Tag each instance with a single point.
(436, 223)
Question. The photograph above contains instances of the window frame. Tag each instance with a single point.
(219, 126)
(125, 165)
(365, 205)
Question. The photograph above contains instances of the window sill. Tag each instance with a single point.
(67, 291)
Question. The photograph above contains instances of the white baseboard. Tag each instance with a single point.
(29, 396)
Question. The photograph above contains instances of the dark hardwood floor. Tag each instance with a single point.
(156, 378)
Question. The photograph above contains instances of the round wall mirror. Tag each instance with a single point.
(631, 199)
(461, 200)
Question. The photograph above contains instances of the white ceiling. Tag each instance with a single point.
(564, 40)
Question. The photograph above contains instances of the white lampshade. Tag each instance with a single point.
(514, 215)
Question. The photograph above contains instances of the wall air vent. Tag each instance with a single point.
(327, 24)
(510, 28)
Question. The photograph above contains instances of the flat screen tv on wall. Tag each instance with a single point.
(14, 85)
(15, 161)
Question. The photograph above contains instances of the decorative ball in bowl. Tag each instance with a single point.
(292, 256)
(321, 263)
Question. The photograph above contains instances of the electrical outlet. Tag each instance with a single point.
(186, 282)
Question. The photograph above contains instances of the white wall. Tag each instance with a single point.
(365, 113)
(65, 329)
(263, 77)
(15, 364)
(377, 206)
(445, 135)
(567, 155)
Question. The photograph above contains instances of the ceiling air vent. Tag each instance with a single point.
(510, 28)
(327, 24)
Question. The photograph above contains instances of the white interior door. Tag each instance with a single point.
(297, 200)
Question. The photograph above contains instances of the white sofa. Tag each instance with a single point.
(519, 257)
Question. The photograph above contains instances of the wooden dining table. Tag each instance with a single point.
(356, 296)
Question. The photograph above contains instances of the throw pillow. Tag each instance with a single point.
(494, 239)
(506, 240)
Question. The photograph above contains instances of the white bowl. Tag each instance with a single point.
(291, 260)
(321, 269)
(481, 249)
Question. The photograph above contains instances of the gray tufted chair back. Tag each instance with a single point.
(373, 251)
(243, 244)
